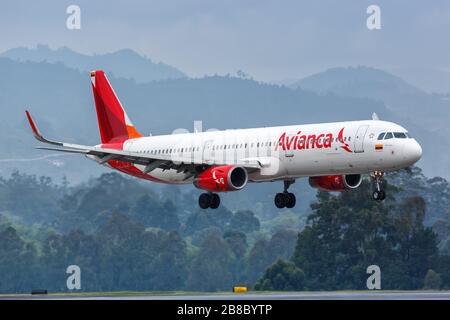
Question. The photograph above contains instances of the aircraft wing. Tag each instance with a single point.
(151, 161)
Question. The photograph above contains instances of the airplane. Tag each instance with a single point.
(333, 156)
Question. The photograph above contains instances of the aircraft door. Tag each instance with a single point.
(359, 139)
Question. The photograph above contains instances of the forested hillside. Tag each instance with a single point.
(125, 235)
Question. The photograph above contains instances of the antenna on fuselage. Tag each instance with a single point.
(375, 116)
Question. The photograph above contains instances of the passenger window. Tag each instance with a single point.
(388, 136)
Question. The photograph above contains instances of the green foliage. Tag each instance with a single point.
(349, 232)
(223, 219)
(31, 199)
(244, 221)
(282, 275)
(155, 214)
(432, 280)
(16, 258)
(211, 268)
(265, 252)
(121, 234)
(127, 237)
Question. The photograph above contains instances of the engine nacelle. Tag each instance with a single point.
(336, 183)
(222, 179)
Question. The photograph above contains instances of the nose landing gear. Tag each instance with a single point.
(378, 194)
(285, 199)
(209, 200)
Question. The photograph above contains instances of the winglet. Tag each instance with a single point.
(36, 132)
(33, 126)
(375, 116)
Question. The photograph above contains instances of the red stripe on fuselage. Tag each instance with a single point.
(129, 168)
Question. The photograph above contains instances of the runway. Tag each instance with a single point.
(335, 295)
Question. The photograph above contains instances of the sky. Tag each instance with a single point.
(269, 40)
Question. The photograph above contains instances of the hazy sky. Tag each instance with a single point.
(270, 40)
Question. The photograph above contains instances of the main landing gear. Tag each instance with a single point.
(378, 194)
(209, 200)
(285, 199)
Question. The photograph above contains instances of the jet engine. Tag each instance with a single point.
(222, 178)
(336, 183)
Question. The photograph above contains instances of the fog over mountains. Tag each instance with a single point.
(54, 86)
(123, 63)
(431, 111)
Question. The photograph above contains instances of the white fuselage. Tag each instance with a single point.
(288, 152)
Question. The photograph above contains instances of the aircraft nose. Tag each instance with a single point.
(412, 151)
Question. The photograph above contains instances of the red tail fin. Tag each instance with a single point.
(113, 122)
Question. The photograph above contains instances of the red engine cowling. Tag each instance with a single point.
(222, 179)
(336, 183)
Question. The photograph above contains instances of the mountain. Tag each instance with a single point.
(429, 79)
(421, 112)
(124, 63)
(427, 110)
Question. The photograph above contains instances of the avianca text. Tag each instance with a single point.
(302, 141)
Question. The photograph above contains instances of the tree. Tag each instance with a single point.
(210, 268)
(349, 232)
(244, 221)
(204, 219)
(282, 275)
(237, 242)
(151, 213)
(432, 280)
(265, 252)
(17, 263)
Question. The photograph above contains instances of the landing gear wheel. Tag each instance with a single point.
(204, 201)
(291, 200)
(285, 199)
(280, 200)
(209, 200)
(378, 194)
(215, 201)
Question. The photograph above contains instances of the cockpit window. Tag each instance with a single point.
(388, 136)
(381, 136)
(400, 135)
